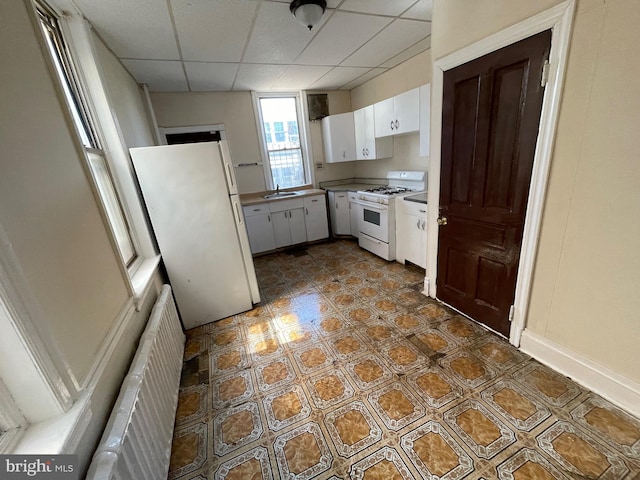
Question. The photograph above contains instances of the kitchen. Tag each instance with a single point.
(88, 305)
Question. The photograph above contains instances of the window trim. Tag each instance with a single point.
(303, 132)
(80, 44)
(79, 105)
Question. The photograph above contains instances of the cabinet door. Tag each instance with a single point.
(384, 118)
(354, 217)
(316, 219)
(407, 110)
(281, 229)
(341, 219)
(297, 226)
(360, 126)
(338, 133)
(411, 235)
(260, 231)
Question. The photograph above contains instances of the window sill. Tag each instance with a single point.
(58, 435)
(142, 278)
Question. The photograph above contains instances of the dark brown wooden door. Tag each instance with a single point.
(490, 118)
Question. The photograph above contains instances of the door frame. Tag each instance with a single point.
(559, 20)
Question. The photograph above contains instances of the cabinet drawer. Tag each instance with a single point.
(282, 205)
(314, 200)
(253, 210)
(412, 208)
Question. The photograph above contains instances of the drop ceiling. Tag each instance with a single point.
(224, 45)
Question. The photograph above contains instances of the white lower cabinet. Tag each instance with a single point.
(286, 222)
(411, 232)
(353, 214)
(340, 216)
(288, 226)
(316, 223)
(259, 228)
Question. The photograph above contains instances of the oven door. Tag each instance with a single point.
(373, 220)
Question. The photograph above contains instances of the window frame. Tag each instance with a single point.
(78, 103)
(303, 133)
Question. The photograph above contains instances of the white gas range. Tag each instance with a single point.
(377, 212)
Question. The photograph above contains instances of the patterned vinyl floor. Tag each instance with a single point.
(346, 371)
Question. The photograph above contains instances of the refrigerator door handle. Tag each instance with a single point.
(225, 154)
(230, 176)
(236, 210)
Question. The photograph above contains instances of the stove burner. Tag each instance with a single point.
(386, 190)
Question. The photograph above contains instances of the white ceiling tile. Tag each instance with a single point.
(277, 37)
(342, 34)
(374, 72)
(299, 77)
(420, 11)
(338, 77)
(412, 51)
(140, 29)
(213, 77)
(213, 30)
(257, 77)
(398, 36)
(159, 75)
(379, 7)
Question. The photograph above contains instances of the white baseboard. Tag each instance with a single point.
(612, 386)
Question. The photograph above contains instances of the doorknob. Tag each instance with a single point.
(442, 221)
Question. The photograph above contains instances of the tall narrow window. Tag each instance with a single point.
(80, 113)
(285, 152)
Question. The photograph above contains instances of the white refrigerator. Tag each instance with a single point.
(192, 198)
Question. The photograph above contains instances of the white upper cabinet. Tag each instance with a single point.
(367, 146)
(398, 115)
(338, 133)
(425, 119)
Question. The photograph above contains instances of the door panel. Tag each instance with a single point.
(490, 119)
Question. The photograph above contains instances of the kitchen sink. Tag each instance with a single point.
(281, 194)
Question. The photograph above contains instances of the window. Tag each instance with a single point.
(80, 113)
(267, 132)
(278, 127)
(284, 148)
(292, 131)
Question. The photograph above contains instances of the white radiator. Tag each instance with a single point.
(136, 443)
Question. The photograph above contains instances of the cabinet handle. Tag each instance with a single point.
(307, 211)
(424, 224)
(418, 224)
(314, 200)
(391, 124)
(336, 205)
(423, 211)
(269, 218)
(367, 152)
(397, 124)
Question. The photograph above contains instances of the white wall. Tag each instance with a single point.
(587, 270)
(51, 216)
(47, 206)
(235, 111)
(126, 97)
(408, 75)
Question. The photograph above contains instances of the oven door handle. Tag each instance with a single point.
(374, 206)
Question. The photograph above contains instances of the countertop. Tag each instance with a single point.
(348, 187)
(418, 198)
(258, 197)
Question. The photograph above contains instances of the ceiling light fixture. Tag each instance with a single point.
(308, 12)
